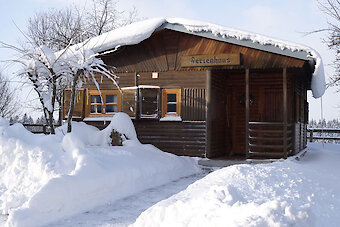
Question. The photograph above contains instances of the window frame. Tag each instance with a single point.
(156, 114)
(167, 91)
(103, 94)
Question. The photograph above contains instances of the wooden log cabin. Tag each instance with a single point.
(207, 92)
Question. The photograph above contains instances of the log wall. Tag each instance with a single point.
(180, 138)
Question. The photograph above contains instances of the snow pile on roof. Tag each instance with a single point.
(45, 178)
(139, 31)
(127, 35)
(284, 193)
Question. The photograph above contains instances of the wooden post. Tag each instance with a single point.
(208, 115)
(44, 129)
(138, 106)
(311, 135)
(285, 148)
(247, 112)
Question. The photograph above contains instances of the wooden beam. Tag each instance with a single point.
(284, 77)
(137, 98)
(208, 115)
(247, 112)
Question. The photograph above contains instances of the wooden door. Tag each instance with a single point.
(273, 107)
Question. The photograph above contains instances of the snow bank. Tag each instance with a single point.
(46, 178)
(122, 123)
(285, 193)
(27, 162)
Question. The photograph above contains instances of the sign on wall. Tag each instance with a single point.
(210, 60)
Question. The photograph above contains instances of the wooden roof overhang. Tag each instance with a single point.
(303, 55)
(163, 51)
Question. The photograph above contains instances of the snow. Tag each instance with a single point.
(122, 123)
(125, 211)
(283, 193)
(139, 31)
(77, 179)
(98, 118)
(141, 86)
(127, 35)
(47, 178)
(171, 118)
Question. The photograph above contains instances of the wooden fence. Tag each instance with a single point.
(315, 134)
(38, 128)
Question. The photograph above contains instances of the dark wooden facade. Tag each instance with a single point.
(255, 109)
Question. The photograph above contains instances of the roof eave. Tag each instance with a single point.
(246, 43)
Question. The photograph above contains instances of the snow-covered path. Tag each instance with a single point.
(126, 211)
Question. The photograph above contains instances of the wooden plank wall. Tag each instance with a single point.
(79, 107)
(180, 138)
(164, 49)
(174, 79)
(123, 80)
(129, 102)
(301, 114)
(193, 105)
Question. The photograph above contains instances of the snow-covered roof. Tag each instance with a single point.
(139, 31)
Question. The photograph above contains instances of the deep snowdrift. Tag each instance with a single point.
(45, 178)
(284, 193)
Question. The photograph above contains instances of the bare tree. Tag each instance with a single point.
(332, 9)
(131, 17)
(56, 28)
(59, 28)
(8, 101)
(103, 17)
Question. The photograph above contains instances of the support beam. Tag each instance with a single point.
(137, 96)
(247, 112)
(284, 77)
(208, 136)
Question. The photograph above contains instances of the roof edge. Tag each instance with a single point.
(303, 55)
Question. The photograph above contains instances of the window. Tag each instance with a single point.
(149, 102)
(96, 104)
(111, 104)
(171, 100)
(106, 103)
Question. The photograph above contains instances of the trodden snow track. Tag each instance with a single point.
(125, 211)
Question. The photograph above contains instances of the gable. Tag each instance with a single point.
(164, 50)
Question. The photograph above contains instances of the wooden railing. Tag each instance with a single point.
(38, 128)
(312, 137)
(267, 139)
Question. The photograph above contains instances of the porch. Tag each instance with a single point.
(255, 114)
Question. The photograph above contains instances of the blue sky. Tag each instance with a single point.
(286, 20)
